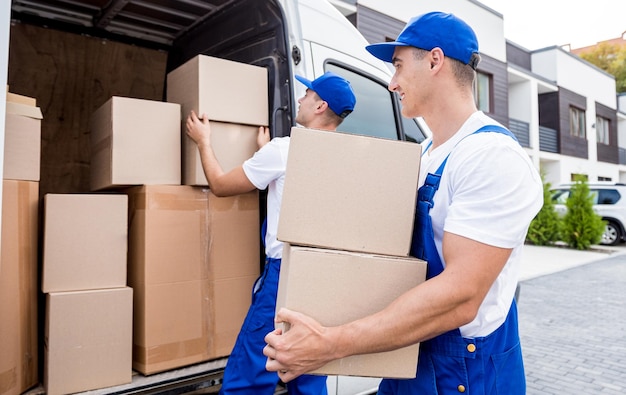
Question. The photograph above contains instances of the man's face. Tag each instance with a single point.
(410, 81)
(308, 104)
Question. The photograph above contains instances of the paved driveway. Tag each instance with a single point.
(573, 329)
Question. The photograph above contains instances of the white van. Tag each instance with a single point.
(304, 37)
(288, 37)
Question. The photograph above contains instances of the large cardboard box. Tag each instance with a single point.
(336, 287)
(232, 93)
(232, 144)
(349, 192)
(85, 241)
(135, 142)
(193, 258)
(22, 141)
(88, 340)
(19, 353)
(224, 90)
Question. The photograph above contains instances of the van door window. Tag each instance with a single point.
(373, 114)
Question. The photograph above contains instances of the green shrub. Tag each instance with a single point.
(581, 226)
(544, 228)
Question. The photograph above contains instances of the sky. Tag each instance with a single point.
(535, 24)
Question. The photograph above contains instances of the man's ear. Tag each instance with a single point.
(436, 57)
(321, 107)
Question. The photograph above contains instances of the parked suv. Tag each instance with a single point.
(609, 201)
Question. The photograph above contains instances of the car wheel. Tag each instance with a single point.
(612, 234)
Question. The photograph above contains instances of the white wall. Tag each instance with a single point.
(575, 74)
(487, 23)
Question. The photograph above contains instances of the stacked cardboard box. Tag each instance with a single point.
(19, 351)
(192, 256)
(193, 259)
(135, 142)
(234, 98)
(88, 325)
(347, 221)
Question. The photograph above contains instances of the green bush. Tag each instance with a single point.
(544, 228)
(581, 226)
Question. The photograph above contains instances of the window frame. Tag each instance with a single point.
(603, 130)
(482, 93)
(577, 122)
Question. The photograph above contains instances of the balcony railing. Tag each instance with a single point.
(521, 130)
(548, 140)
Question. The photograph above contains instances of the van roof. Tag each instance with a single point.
(149, 21)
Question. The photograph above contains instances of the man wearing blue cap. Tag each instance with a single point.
(478, 193)
(327, 101)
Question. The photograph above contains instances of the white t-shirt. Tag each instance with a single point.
(489, 192)
(266, 169)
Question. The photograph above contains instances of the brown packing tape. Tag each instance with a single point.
(149, 199)
(8, 380)
(171, 352)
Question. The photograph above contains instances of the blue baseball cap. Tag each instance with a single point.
(434, 29)
(334, 90)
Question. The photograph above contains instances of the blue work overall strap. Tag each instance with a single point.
(423, 242)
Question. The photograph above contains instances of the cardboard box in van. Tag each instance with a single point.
(224, 90)
(85, 239)
(19, 287)
(22, 141)
(232, 93)
(336, 287)
(88, 340)
(349, 192)
(193, 258)
(135, 142)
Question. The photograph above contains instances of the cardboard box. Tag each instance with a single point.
(349, 192)
(19, 355)
(232, 93)
(135, 142)
(193, 259)
(336, 287)
(88, 340)
(15, 98)
(232, 144)
(22, 142)
(85, 241)
(224, 90)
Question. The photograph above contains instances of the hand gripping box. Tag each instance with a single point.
(335, 287)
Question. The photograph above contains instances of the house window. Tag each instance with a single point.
(482, 92)
(600, 178)
(577, 122)
(602, 130)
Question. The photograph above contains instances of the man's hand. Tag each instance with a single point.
(263, 137)
(299, 350)
(198, 129)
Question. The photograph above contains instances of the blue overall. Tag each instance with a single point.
(245, 371)
(450, 363)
